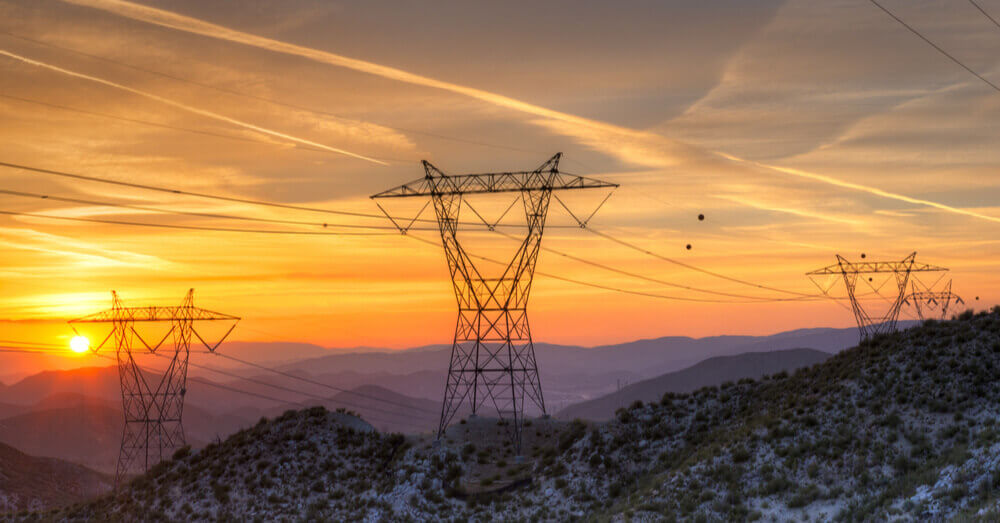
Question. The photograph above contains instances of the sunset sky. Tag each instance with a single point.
(800, 129)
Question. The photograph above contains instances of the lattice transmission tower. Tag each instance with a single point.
(870, 323)
(492, 357)
(930, 303)
(152, 404)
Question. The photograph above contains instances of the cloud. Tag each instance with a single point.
(189, 108)
(638, 147)
(744, 200)
(77, 251)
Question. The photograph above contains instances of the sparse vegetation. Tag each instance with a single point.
(899, 427)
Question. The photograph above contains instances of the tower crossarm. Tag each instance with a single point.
(137, 314)
(929, 295)
(906, 265)
(438, 183)
(876, 267)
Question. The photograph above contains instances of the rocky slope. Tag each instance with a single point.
(899, 428)
(711, 372)
(31, 483)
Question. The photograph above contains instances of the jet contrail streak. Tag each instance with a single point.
(864, 188)
(612, 133)
(188, 108)
(188, 24)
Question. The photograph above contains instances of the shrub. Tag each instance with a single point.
(182, 453)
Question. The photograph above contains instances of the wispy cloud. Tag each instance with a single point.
(870, 190)
(638, 147)
(75, 250)
(188, 108)
(803, 213)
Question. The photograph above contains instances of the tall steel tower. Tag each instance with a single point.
(930, 303)
(152, 404)
(871, 324)
(492, 357)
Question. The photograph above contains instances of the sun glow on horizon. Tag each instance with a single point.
(79, 344)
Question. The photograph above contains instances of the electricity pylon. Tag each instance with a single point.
(936, 303)
(871, 324)
(152, 404)
(492, 356)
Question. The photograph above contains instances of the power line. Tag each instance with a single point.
(64, 352)
(192, 213)
(181, 192)
(65, 174)
(381, 217)
(279, 401)
(659, 281)
(286, 389)
(696, 268)
(210, 215)
(586, 226)
(33, 343)
(321, 384)
(935, 46)
(593, 285)
(160, 125)
(32, 350)
(191, 227)
(187, 227)
(987, 15)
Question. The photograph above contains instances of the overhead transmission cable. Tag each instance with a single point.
(289, 389)
(663, 282)
(194, 213)
(335, 233)
(332, 233)
(192, 227)
(321, 384)
(48, 349)
(279, 401)
(590, 284)
(109, 116)
(554, 251)
(987, 15)
(181, 192)
(935, 46)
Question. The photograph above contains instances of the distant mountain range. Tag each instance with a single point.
(902, 428)
(30, 483)
(76, 414)
(569, 374)
(713, 371)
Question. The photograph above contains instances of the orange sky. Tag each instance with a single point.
(799, 129)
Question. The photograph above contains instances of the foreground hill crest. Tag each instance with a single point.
(900, 427)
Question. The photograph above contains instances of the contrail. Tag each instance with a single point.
(188, 24)
(864, 188)
(635, 138)
(191, 109)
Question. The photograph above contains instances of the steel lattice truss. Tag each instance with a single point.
(493, 358)
(870, 324)
(932, 304)
(153, 405)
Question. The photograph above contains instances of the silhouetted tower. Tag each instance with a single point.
(492, 357)
(152, 404)
(930, 303)
(871, 324)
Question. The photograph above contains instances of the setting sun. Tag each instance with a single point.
(79, 344)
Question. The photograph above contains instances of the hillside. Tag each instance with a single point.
(713, 371)
(386, 410)
(30, 483)
(902, 427)
(88, 431)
